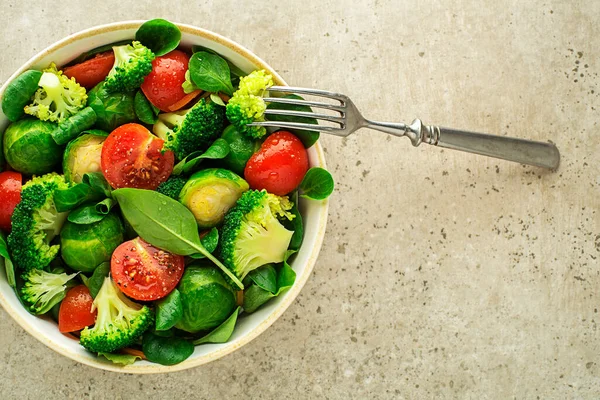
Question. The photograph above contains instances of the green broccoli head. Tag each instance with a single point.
(120, 321)
(172, 187)
(247, 104)
(132, 63)
(43, 290)
(35, 222)
(57, 98)
(194, 129)
(252, 235)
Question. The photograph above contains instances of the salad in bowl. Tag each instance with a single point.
(142, 217)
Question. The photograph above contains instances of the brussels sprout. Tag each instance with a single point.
(83, 155)
(210, 193)
(84, 247)
(29, 147)
(112, 109)
(241, 149)
(206, 298)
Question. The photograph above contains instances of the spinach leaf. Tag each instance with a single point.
(145, 111)
(68, 199)
(98, 183)
(85, 215)
(166, 350)
(221, 333)
(169, 311)
(255, 296)
(235, 72)
(18, 94)
(102, 49)
(295, 224)
(105, 206)
(112, 109)
(94, 283)
(7, 262)
(265, 277)
(317, 184)
(122, 359)
(159, 35)
(210, 72)
(218, 150)
(165, 223)
(308, 138)
(74, 125)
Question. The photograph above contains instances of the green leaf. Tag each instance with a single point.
(166, 350)
(18, 94)
(94, 283)
(295, 224)
(217, 100)
(122, 359)
(6, 262)
(168, 311)
(255, 296)
(209, 241)
(98, 183)
(308, 138)
(210, 72)
(265, 277)
(317, 184)
(85, 215)
(165, 223)
(221, 333)
(68, 199)
(234, 70)
(143, 109)
(105, 206)
(218, 150)
(73, 126)
(159, 35)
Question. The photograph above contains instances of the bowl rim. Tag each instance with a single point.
(290, 296)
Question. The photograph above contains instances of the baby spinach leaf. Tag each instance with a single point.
(98, 183)
(166, 350)
(68, 199)
(221, 333)
(255, 296)
(105, 206)
(6, 262)
(144, 110)
(265, 277)
(234, 70)
(308, 138)
(218, 150)
(159, 35)
(74, 125)
(122, 359)
(18, 94)
(85, 215)
(210, 72)
(169, 311)
(94, 283)
(295, 224)
(165, 223)
(317, 184)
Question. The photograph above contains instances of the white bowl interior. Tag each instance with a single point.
(248, 326)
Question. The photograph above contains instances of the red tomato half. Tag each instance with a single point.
(279, 165)
(10, 196)
(75, 311)
(144, 272)
(132, 157)
(93, 71)
(163, 85)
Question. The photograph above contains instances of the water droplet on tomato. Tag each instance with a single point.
(273, 176)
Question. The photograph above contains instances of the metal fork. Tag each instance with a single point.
(349, 119)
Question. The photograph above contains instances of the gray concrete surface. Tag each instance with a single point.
(443, 275)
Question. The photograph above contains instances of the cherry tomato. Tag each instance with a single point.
(133, 157)
(93, 71)
(163, 85)
(144, 272)
(10, 196)
(279, 165)
(75, 311)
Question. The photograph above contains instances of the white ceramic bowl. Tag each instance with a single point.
(248, 326)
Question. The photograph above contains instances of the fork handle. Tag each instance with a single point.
(528, 152)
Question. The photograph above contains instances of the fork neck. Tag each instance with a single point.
(416, 131)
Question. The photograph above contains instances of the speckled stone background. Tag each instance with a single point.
(443, 275)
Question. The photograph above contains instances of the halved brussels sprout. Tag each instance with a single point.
(84, 247)
(210, 193)
(29, 147)
(82, 155)
(206, 298)
(241, 148)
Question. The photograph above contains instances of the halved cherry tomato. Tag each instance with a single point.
(10, 196)
(144, 272)
(186, 99)
(163, 85)
(75, 311)
(93, 71)
(279, 165)
(133, 157)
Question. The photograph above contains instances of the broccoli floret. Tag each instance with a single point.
(190, 130)
(57, 98)
(132, 63)
(252, 235)
(120, 321)
(172, 187)
(35, 222)
(43, 290)
(247, 104)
